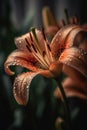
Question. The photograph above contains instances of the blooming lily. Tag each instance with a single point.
(46, 58)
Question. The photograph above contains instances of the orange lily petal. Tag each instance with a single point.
(53, 71)
(21, 87)
(51, 30)
(21, 42)
(46, 73)
(75, 37)
(20, 58)
(24, 40)
(75, 58)
(72, 89)
(58, 43)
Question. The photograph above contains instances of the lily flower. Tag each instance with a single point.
(51, 24)
(47, 58)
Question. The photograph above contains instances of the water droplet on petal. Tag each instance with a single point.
(56, 40)
(27, 87)
(80, 57)
(19, 41)
(60, 34)
(85, 53)
(70, 59)
(15, 94)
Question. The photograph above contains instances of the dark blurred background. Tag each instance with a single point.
(42, 110)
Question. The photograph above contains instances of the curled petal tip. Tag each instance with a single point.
(7, 70)
(21, 87)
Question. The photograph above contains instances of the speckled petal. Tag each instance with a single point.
(21, 87)
(75, 58)
(24, 40)
(21, 42)
(20, 58)
(58, 43)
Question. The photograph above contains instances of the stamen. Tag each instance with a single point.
(34, 34)
(31, 37)
(44, 53)
(37, 43)
(76, 19)
(34, 47)
(27, 41)
(28, 45)
(48, 47)
(41, 61)
(28, 48)
(66, 15)
(48, 52)
(42, 30)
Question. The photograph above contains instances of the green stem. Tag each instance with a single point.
(67, 111)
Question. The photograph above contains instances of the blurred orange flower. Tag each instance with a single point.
(52, 25)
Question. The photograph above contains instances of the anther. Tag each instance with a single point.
(44, 53)
(27, 42)
(34, 34)
(28, 48)
(34, 48)
(31, 37)
(42, 30)
(48, 47)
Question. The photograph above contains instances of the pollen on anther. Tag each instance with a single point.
(42, 30)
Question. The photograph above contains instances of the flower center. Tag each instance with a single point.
(43, 55)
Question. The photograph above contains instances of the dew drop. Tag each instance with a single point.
(57, 40)
(15, 94)
(27, 87)
(16, 85)
(80, 57)
(60, 34)
(65, 62)
(24, 83)
(14, 88)
(70, 59)
(85, 53)
(13, 63)
(19, 41)
(82, 54)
